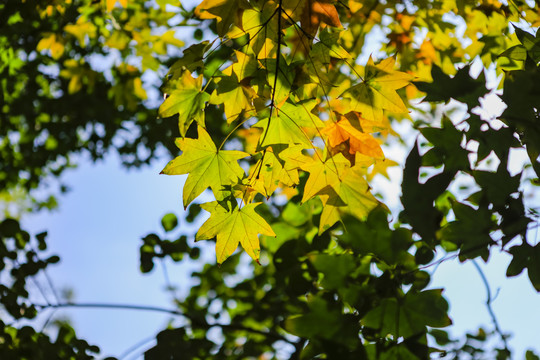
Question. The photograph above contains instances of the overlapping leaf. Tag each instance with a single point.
(324, 174)
(287, 127)
(223, 10)
(236, 99)
(265, 83)
(377, 91)
(186, 99)
(352, 197)
(345, 130)
(411, 316)
(268, 173)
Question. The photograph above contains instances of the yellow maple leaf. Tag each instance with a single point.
(236, 99)
(324, 174)
(269, 172)
(381, 167)
(293, 160)
(231, 227)
(225, 11)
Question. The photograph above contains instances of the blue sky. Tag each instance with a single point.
(97, 231)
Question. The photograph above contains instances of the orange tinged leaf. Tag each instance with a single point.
(317, 12)
(427, 53)
(343, 130)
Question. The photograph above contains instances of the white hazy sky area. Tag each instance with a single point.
(99, 224)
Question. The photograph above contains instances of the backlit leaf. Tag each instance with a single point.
(377, 91)
(351, 195)
(206, 166)
(324, 174)
(235, 98)
(287, 127)
(358, 141)
(233, 227)
(185, 99)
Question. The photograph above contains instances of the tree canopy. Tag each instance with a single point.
(284, 111)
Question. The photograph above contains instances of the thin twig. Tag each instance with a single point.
(194, 320)
(488, 305)
(276, 75)
(136, 346)
(36, 284)
(47, 277)
(168, 282)
(49, 318)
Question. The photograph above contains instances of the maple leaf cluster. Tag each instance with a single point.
(281, 93)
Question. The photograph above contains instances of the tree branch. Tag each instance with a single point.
(193, 320)
(488, 305)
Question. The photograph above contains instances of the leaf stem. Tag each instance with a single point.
(278, 53)
(231, 132)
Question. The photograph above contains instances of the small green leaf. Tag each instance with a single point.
(169, 222)
(530, 355)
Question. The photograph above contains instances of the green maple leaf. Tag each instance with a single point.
(328, 47)
(206, 166)
(411, 315)
(287, 126)
(185, 99)
(192, 59)
(378, 91)
(233, 227)
(351, 195)
(280, 79)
